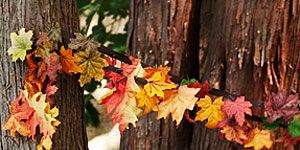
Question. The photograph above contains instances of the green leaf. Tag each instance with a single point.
(186, 82)
(272, 126)
(20, 44)
(294, 128)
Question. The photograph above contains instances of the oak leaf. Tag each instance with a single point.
(210, 110)
(280, 105)
(91, 65)
(261, 139)
(20, 44)
(238, 109)
(20, 111)
(68, 61)
(176, 102)
(43, 116)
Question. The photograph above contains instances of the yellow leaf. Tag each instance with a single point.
(15, 125)
(43, 116)
(210, 110)
(157, 83)
(91, 65)
(147, 102)
(261, 139)
(176, 102)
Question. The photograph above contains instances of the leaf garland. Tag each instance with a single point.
(133, 90)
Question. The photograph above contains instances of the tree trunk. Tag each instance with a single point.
(163, 33)
(41, 15)
(245, 47)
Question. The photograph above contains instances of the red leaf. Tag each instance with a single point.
(204, 88)
(237, 108)
(280, 105)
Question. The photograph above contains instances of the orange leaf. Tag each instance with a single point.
(68, 61)
(234, 134)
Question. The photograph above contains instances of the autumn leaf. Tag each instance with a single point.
(44, 47)
(83, 43)
(147, 102)
(156, 84)
(235, 134)
(43, 116)
(261, 139)
(54, 67)
(126, 112)
(20, 44)
(123, 101)
(91, 65)
(204, 88)
(176, 102)
(280, 105)
(211, 111)
(20, 111)
(238, 109)
(68, 62)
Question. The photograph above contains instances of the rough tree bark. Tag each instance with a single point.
(41, 15)
(163, 33)
(245, 47)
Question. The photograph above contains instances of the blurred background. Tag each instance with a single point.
(106, 22)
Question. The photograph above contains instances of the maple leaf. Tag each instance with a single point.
(117, 82)
(238, 109)
(44, 47)
(176, 102)
(151, 70)
(211, 111)
(147, 102)
(126, 112)
(50, 91)
(91, 65)
(68, 62)
(156, 84)
(204, 88)
(20, 111)
(123, 100)
(83, 43)
(280, 105)
(234, 134)
(54, 67)
(20, 44)
(261, 139)
(35, 72)
(294, 126)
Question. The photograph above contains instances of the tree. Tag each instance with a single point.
(39, 15)
(244, 47)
